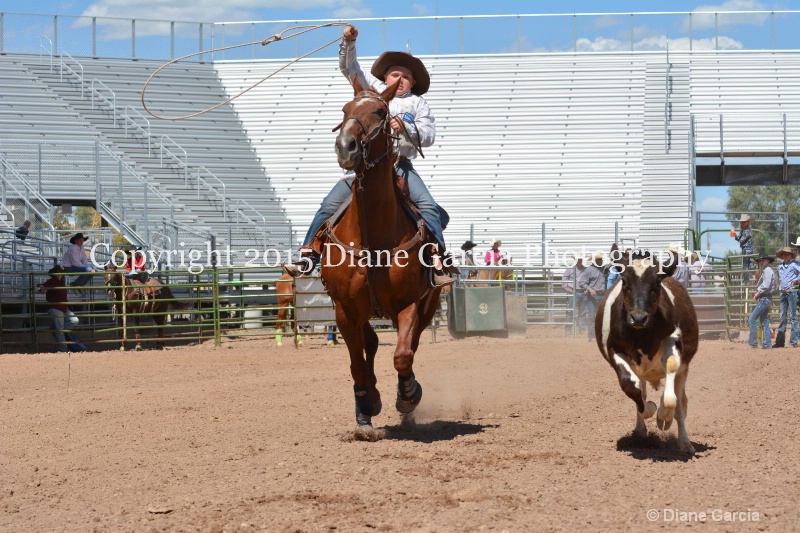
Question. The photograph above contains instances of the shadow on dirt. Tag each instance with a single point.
(434, 431)
(659, 448)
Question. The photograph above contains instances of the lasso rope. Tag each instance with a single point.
(269, 40)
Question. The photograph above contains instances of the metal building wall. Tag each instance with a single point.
(559, 147)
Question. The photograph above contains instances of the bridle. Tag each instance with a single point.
(370, 135)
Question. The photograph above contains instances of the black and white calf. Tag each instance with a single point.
(646, 328)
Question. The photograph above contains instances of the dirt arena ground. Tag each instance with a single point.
(512, 434)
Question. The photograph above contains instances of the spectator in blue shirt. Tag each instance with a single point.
(763, 295)
(23, 231)
(789, 278)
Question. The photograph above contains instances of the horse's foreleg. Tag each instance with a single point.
(136, 321)
(353, 335)
(160, 320)
(371, 348)
(279, 321)
(409, 391)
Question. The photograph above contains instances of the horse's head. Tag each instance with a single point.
(111, 278)
(366, 119)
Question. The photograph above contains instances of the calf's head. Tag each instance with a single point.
(641, 288)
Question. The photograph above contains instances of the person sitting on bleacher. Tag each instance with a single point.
(23, 231)
(75, 260)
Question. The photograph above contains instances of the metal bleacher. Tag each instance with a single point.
(205, 164)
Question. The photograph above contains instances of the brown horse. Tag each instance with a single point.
(155, 303)
(284, 287)
(371, 264)
(500, 274)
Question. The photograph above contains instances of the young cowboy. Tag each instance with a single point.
(410, 113)
(789, 277)
(763, 295)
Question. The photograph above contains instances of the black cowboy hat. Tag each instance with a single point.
(76, 237)
(55, 270)
(403, 59)
(767, 257)
(467, 246)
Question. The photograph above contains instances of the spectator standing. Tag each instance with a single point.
(593, 285)
(23, 231)
(61, 318)
(75, 261)
(575, 302)
(796, 244)
(493, 255)
(745, 238)
(679, 258)
(614, 271)
(698, 270)
(763, 295)
(469, 258)
(788, 278)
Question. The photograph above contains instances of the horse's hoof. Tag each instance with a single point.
(686, 446)
(407, 406)
(407, 421)
(367, 433)
(409, 394)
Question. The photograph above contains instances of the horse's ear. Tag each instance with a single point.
(390, 91)
(357, 87)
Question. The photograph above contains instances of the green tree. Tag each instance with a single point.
(750, 199)
(86, 217)
(60, 220)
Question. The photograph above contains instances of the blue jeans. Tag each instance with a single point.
(59, 322)
(416, 189)
(592, 303)
(761, 312)
(80, 280)
(580, 311)
(789, 303)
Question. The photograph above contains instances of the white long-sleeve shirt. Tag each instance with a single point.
(409, 107)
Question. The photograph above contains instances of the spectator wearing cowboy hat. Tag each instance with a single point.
(493, 255)
(593, 285)
(75, 260)
(745, 238)
(413, 123)
(796, 244)
(61, 318)
(468, 258)
(569, 282)
(763, 295)
(788, 278)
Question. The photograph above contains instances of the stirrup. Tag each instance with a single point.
(442, 278)
(304, 266)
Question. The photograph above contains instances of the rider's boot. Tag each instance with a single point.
(305, 265)
(441, 277)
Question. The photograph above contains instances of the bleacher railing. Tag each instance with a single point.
(705, 29)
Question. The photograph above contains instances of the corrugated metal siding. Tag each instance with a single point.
(574, 142)
(520, 141)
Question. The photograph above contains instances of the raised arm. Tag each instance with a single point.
(348, 64)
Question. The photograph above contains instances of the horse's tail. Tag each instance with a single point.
(166, 293)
